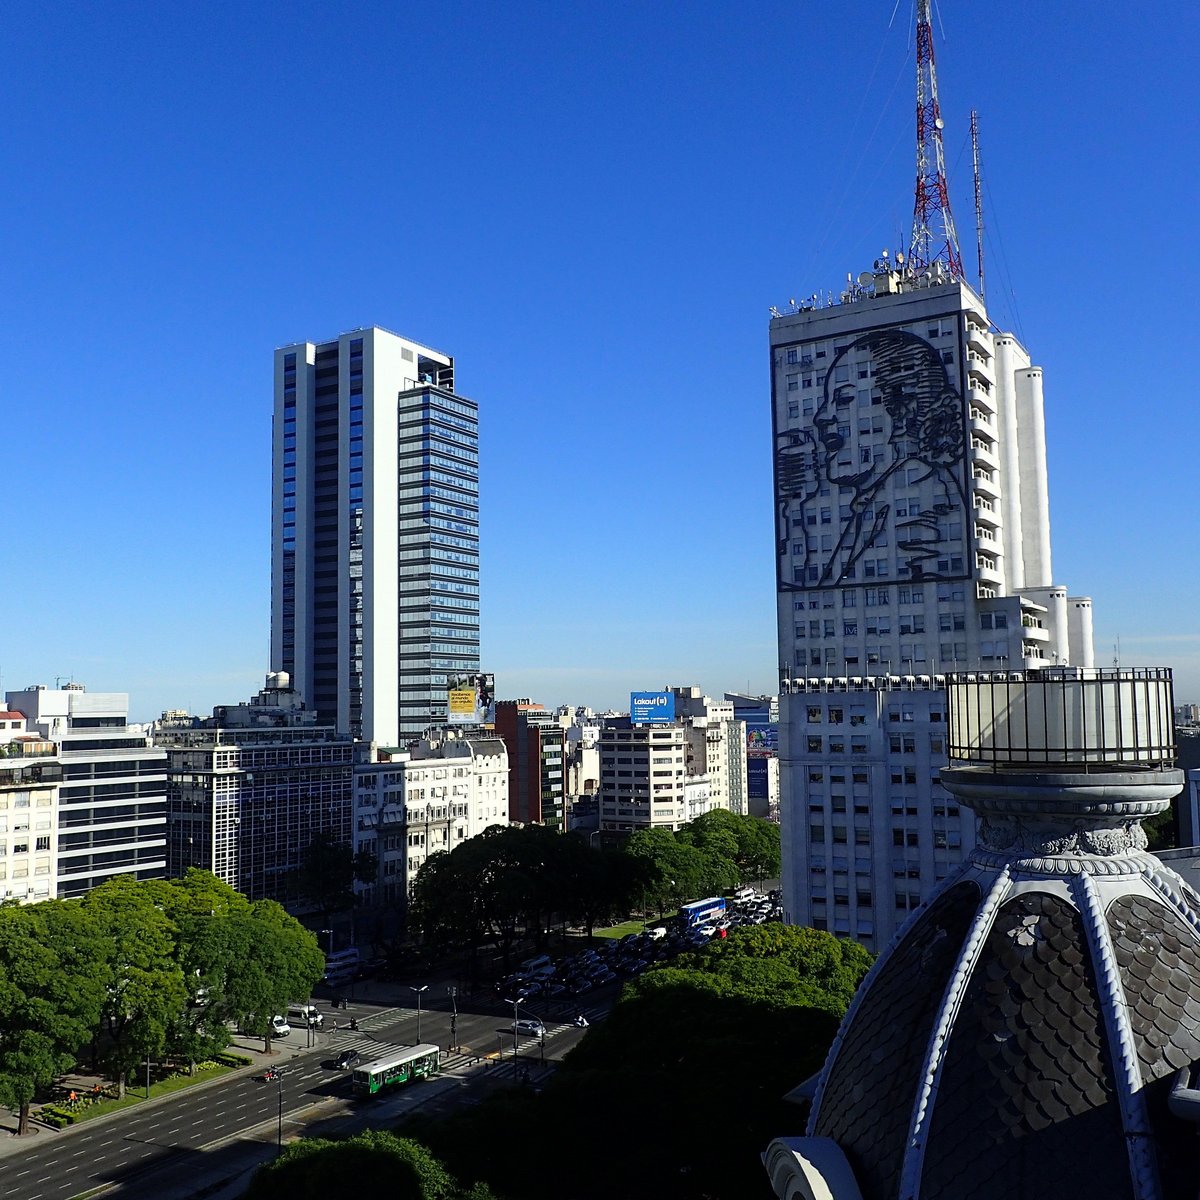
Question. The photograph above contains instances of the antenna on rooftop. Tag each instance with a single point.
(978, 201)
(932, 201)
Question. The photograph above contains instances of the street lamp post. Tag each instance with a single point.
(453, 993)
(328, 940)
(516, 1004)
(418, 990)
(279, 1128)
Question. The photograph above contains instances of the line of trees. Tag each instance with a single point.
(141, 970)
(512, 882)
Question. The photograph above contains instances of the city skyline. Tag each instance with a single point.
(598, 235)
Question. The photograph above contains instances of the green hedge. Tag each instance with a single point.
(55, 1116)
(232, 1060)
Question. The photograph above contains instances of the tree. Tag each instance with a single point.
(144, 988)
(276, 961)
(674, 872)
(328, 872)
(205, 911)
(751, 843)
(376, 1162)
(51, 992)
(711, 1044)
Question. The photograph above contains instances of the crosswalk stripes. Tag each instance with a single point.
(385, 1016)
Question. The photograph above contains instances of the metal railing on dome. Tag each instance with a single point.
(1074, 717)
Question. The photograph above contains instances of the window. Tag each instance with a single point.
(835, 715)
(43, 843)
(850, 629)
(849, 598)
(814, 745)
(792, 356)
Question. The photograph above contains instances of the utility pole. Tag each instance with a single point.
(932, 200)
(453, 993)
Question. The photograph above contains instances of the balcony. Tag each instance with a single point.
(987, 569)
(980, 396)
(984, 482)
(985, 512)
(982, 425)
(979, 339)
(984, 453)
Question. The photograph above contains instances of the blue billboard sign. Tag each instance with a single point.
(651, 708)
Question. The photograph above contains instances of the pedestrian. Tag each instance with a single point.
(73, 1098)
(96, 1092)
(344, 1002)
(335, 1024)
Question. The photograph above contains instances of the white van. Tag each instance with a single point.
(306, 1014)
(744, 895)
(656, 933)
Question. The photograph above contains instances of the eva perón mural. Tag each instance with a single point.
(871, 486)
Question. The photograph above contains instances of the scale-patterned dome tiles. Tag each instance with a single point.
(1027, 1076)
(867, 1099)
(1159, 959)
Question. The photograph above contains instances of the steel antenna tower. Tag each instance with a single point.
(932, 198)
(978, 201)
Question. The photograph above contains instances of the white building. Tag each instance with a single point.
(913, 539)
(666, 773)
(111, 801)
(431, 797)
(29, 777)
(375, 532)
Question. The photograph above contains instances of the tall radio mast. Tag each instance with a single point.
(978, 201)
(932, 204)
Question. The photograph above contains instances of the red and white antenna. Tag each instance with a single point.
(932, 205)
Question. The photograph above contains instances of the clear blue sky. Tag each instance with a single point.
(592, 207)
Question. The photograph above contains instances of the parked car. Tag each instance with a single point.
(280, 1027)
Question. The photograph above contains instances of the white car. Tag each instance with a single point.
(280, 1027)
(529, 1026)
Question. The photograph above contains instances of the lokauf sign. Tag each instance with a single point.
(651, 708)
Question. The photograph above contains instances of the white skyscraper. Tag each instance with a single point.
(375, 532)
(913, 540)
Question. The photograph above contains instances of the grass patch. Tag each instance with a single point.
(619, 931)
(135, 1095)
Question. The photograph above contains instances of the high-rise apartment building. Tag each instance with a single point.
(108, 816)
(536, 745)
(913, 539)
(375, 532)
(664, 772)
(431, 797)
(249, 788)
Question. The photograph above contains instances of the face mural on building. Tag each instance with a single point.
(874, 491)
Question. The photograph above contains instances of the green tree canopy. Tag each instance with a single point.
(374, 1163)
(144, 988)
(51, 994)
(278, 962)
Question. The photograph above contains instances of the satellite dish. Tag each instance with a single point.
(865, 278)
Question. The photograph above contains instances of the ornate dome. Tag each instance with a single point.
(1023, 1035)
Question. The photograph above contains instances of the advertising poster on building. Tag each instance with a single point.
(470, 699)
(651, 708)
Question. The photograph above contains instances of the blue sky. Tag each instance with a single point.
(592, 207)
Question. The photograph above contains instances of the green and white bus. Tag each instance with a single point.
(416, 1062)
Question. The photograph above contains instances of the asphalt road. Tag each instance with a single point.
(181, 1140)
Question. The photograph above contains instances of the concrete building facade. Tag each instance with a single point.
(668, 773)
(250, 787)
(409, 804)
(111, 793)
(29, 777)
(375, 532)
(536, 746)
(913, 539)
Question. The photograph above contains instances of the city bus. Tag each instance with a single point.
(415, 1062)
(700, 912)
(341, 966)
